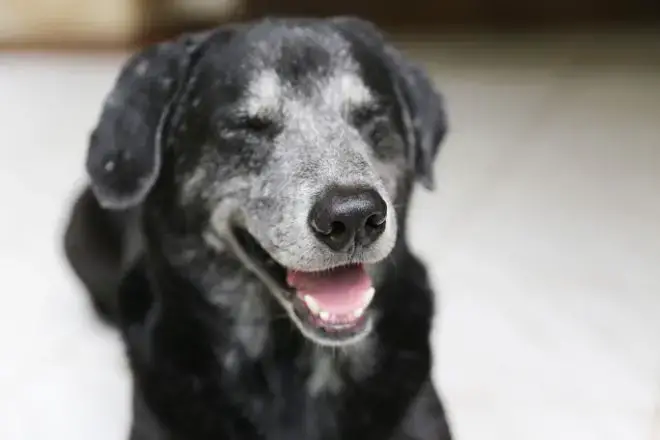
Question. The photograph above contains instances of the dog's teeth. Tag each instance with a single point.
(370, 294)
(359, 312)
(324, 316)
(311, 304)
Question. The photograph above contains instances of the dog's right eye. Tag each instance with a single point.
(363, 116)
(253, 124)
(257, 124)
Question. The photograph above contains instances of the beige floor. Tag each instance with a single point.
(543, 237)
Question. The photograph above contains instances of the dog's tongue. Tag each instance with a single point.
(339, 291)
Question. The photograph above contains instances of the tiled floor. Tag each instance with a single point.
(544, 238)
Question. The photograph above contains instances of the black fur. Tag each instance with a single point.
(150, 272)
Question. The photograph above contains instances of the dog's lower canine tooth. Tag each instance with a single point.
(370, 295)
(324, 316)
(311, 304)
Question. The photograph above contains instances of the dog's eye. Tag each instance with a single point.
(363, 116)
(258, 124)
(254, 124)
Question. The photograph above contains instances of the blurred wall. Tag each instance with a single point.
(69, 20)
(449, 14)
(114, 22)
(102, 22)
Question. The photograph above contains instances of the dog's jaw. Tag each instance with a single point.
(251, 323)
(229, 243)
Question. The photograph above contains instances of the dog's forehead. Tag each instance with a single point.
(270, 65)
(290, 46)
(293, 64)
(268, 91)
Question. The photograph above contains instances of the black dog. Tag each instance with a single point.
(245, 229)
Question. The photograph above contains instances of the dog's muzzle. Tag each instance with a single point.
(344, 219)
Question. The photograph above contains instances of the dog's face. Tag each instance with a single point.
(292, 142)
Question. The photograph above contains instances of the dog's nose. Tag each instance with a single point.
(343, 216)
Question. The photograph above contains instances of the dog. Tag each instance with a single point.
(244, 227)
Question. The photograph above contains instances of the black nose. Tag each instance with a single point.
(343, 216)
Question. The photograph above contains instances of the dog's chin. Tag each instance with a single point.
(330, 307)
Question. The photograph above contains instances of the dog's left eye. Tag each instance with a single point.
(363, 116)
(372, 121)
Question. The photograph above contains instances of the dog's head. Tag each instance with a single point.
(294, 142)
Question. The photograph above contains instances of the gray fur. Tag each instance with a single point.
(316, 149)
(326, 377)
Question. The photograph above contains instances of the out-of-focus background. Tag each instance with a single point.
(543, 236)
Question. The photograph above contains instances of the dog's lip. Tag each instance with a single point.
(242, 237)
(241, 233)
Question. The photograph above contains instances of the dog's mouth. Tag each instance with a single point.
(330, 307)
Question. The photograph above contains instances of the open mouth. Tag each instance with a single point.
(331, 307)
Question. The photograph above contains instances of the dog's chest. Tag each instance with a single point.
(299, 405)
(304, 398)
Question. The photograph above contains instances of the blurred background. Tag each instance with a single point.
(543, 235)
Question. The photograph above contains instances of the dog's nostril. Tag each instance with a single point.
(338, 233)
(374, 226)
(376, 221)
(344, 216)
(337, 229)
(334, 230)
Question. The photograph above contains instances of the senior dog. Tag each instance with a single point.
(244, 229)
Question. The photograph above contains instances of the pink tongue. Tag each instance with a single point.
(339, 291)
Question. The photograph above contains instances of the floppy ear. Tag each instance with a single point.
(123, 158)
(424, 117)
(426, 120)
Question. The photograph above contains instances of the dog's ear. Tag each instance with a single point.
(124, 154)
(425, 120)
(424, 115)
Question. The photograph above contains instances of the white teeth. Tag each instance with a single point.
(315, 307)
(370, 295)
(311, 304)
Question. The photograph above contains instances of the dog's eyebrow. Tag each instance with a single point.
(347, 89)
(263, 94)
(367, 111)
